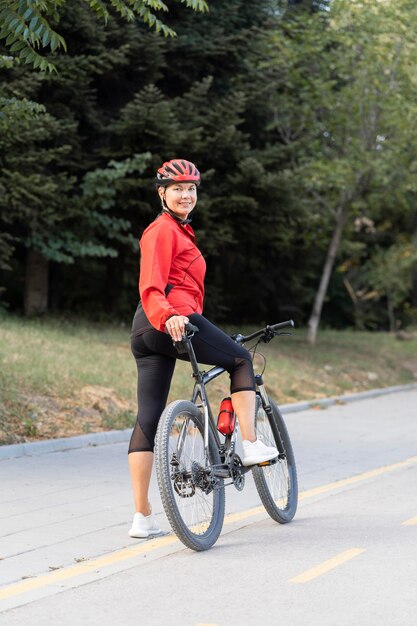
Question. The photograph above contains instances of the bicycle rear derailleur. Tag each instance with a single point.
(203, 478)
(185, 482)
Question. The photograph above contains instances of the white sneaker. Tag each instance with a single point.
(257, 452)
(143, 526)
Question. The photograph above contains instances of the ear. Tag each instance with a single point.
(161, 192)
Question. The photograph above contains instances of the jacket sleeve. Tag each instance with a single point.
(157, 251)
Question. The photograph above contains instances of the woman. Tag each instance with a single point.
(171, 287)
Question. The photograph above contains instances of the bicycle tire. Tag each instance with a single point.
(276, 484)
(196, 517)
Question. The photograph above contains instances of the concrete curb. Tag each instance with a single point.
(67, 443)
(353, 397)
(119, 436)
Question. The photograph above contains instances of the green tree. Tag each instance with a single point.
(40, 208)
(390, 274)
(127, 91)
(277, 107)
(28, 26)
(343, 94)
(47, 150)
(34, 202)
(208, 118)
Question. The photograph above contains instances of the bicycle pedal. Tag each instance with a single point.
(270, 462)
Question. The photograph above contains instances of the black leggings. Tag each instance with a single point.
(155, 359)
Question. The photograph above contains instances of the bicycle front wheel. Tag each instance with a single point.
(192, 497)
(276, 483)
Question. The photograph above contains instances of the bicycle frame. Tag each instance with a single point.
(199, 391)
(194, 459)
(202, 378)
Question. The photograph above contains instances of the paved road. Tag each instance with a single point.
(348, 558)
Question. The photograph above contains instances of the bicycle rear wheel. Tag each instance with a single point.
(193, 499)
(276, 483)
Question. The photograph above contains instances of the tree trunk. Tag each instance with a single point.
(313, 322)
(115, 269)
(55, 281)
(391, 314)
(36, 283)
(414, 270)
(357, 311)
(414, 288)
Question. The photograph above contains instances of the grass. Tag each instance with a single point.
(62, 378)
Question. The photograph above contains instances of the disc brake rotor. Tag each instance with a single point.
(184, 486)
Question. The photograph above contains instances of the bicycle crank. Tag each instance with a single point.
(238, 472)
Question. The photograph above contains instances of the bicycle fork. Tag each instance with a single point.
(267, 408)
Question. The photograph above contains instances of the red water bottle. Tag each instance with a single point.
(227, 417)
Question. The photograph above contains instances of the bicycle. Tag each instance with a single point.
(193, 461)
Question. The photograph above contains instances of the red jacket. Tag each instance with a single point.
(169, 256)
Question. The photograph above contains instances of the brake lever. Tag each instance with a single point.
(268, 336)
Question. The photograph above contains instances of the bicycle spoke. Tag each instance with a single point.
(276, 483)
(197, 509)
(276, 475)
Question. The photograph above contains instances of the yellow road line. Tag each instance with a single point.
(328, 565)
(410, 522)
(358, 478)
(231, 518)
(85, 567)
(337, 484)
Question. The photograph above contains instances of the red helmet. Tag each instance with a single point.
(177, 171)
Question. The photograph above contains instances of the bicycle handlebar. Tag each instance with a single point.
(190, 329)
(275, 327)
(269, 331)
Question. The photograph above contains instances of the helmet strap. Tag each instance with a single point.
(175, 216)
(164, 204)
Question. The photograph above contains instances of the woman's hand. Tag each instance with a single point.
(175, 326)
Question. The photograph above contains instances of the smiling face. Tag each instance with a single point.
(180, 198)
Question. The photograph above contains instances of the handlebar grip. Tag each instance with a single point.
(190, 328)
(282, 325)
(190, 331)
